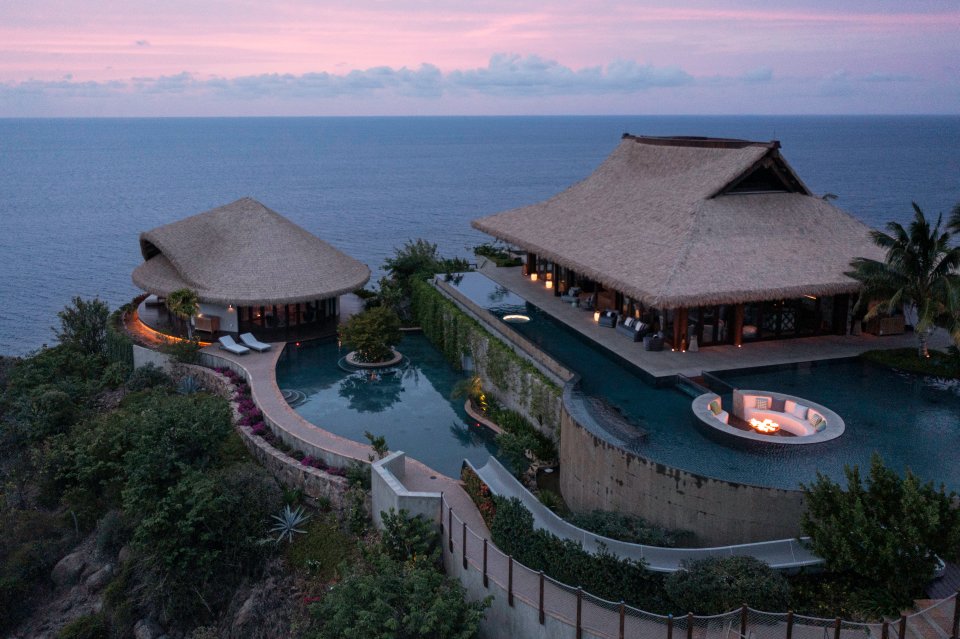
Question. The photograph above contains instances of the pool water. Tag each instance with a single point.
(911, 421)
(411, 408)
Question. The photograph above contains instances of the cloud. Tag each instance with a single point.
(142, 43)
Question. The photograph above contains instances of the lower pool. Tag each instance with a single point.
(910, 420)
(412, 408)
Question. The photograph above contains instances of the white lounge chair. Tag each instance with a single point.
(227, 344)
(249, 340)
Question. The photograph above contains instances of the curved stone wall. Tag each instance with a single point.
(598, 475)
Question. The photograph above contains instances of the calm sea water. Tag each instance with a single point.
(74, 194)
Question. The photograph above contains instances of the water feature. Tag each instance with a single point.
(911, 421)
(410, 404)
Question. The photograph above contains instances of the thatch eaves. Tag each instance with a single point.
(679, 222)
(246, 254)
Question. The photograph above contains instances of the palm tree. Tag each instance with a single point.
(919, 275)
(184, 303)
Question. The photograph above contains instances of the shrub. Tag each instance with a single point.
(185, 351)
(883, 532)
(720, 584)
(407, 538)
(552, 500)
(629, 528)
(112, 534)
(372, 333)
(115, 374)
(498, 255)
(203, 536)
(148, 376)
(603, 574)
(92, 626)
(83, 325)
(480, 494)
(321, 551)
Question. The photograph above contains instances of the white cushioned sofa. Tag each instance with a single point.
(795, 418)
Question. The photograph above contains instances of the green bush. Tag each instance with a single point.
(202, 536)
(386, 599)
(406, 538)
(372, 333)
(497, 255)
(148, 376)
(115, 374)
(185, 351)
(112, 534)
(629, 528)
(83, 325)
(92, 626)
(322, 550)
(603, 574)
(719, 584)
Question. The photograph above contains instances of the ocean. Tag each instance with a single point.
(75, 193)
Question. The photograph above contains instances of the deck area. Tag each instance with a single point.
(711, 358)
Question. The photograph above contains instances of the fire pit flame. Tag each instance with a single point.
(767, 426)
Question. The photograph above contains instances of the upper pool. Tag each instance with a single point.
(911, 421)
(413, 408)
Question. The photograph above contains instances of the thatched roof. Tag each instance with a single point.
(679, 222)
(243, 253)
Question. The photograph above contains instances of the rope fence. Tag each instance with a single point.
(585, 613)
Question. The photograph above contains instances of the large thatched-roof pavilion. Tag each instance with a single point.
(253, 270)
(719, 236)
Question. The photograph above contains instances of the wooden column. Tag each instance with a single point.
(738, 325)
(676, 329)
(680, 328)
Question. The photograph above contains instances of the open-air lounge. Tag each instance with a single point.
(705, 241)
(255, 272)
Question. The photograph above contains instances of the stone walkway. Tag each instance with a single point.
(710, 358)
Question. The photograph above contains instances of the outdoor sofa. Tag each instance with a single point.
(608, 319)
(635, 329)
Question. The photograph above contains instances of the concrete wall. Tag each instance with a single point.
(228, 316)
(387, 491)
(143, 356)
(597, 475)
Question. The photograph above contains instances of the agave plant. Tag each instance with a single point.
(287, 522)
(188, 385)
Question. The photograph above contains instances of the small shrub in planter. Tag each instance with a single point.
(720, 584)
(371, 334)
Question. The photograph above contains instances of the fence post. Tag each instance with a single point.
(441, 518)
(623, 617)
(541, 598)
(743, 621)
(510, 580)
(486, 582)
(464, 545)
(670, 626)
(956, 616)
(579, 612)
(689, 625)
(789, 624)
(450, 527)
(902, 631)
(836, 628)
(885, 630)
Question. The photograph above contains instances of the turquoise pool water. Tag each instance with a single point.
(412, 408)
(911, 421)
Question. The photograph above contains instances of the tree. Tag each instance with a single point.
(184, 303)
(83, 325)
(719, 584)
(883, 532)
(918, 275)
(420, 259)
(372, 333)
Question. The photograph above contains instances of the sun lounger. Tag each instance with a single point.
(252, 342)
(227, 344)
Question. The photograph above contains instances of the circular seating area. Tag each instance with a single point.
(769, 417)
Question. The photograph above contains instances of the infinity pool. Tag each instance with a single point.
(411, 408)
(911, 421)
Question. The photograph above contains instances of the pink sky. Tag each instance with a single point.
(426, 56)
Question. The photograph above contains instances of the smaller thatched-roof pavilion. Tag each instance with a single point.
(680, 223)
(251, 267)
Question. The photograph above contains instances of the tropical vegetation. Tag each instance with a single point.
(184, 303)
(919, 276)
(880, 535)
(372, 334)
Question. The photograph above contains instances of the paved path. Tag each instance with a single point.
(710, 358)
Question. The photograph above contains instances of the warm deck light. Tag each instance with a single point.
(549, 284)
(596, 316)
(533, 277)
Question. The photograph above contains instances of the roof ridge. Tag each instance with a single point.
(699, 141)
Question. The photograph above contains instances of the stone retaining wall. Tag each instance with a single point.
(388, 492)
(597, 475)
